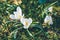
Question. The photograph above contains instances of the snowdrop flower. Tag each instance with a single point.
(50, 9)
(17, 14)
(48, 20)
(26, 22)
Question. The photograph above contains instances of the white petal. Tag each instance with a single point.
(22, 20)
(50, 23)
(15, 12)
(50, 9)
(12, 16)
(19, 10)
(26, 27)
(30, 20)
(48, 19)
(17, 15)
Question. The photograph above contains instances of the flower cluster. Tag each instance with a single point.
(48, 19)
(19, 16)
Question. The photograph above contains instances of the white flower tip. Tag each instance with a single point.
(12, 16)
(50, 8)
(15, 12)
(30, 20)
(19, 9)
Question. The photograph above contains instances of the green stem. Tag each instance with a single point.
(29, 33)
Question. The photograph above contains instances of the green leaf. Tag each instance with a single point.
(45, 9)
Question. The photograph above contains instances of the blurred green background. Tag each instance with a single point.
(36, 9)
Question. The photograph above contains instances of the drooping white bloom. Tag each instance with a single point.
(17, 14)
(50, 9)
(26, 22)
(48, 19)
